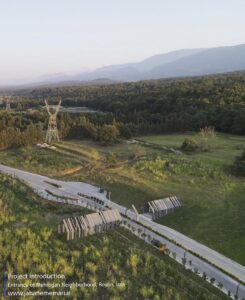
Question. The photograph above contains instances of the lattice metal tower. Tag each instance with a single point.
(8, 107)
(52, 132)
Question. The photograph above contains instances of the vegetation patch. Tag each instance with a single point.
(42, 161)
(211, 194)
(239, 165)
(29, 243)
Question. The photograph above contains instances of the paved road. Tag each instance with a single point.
(196, 263)
(212, 256)
(216, 258)
(71, 189)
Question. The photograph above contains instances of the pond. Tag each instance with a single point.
(77, 109)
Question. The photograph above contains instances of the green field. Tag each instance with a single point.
(213, 198)
(38, 160)
(29, 243)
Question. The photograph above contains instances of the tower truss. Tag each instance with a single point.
(52, 134)
(8, 107)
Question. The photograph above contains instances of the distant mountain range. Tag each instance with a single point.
(180, 63)
(187, 62)
(140, 70)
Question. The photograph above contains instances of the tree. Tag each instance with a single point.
(220, 285)
(125, 131)
(63, 129)
(133, 229)
(212, 280)
(133, 262)
(147, 292)
(19, 106)
(108, 134)
(239, 165)
(196, 271)
(139, 231)
(184, 261)
(207, 134)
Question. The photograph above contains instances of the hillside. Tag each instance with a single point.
(212, 195)
(186, 62)
(210, 61)
(29, 243)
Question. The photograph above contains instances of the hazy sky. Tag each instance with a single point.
(40, 37)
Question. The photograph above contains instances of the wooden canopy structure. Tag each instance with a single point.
(161, 207)
(81, 226)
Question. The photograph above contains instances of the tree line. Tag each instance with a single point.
(131, 109)
(30, 128)
(19, 130)
(160, 106)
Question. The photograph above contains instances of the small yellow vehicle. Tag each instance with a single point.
(159, 245)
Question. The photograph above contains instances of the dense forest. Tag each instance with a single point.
(130, 109)
(171, 105)
(19, 130)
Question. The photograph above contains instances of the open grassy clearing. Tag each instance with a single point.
(225, 147)
(35, 159)
(214, 200)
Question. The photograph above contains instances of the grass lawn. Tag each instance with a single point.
(35, 159)
(214, 199)
(225, 147)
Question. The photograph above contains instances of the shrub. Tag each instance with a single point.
(207, 132)
(239, 165)
(111, 158)
(108, 134)
(190, 145)
(151, 167)
(137, 152)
